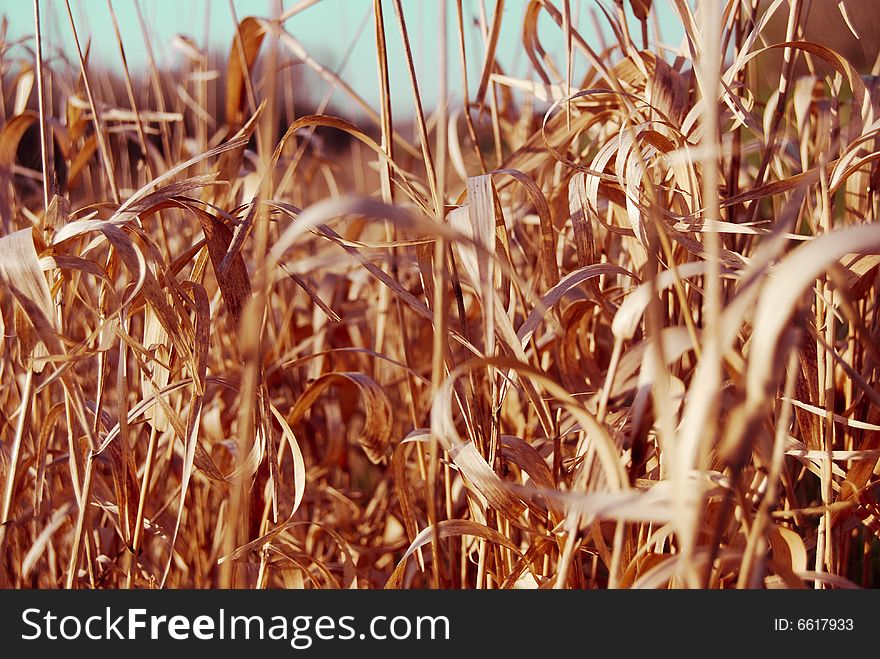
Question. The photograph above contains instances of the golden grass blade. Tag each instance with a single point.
(242, 55)
(374, 439)
(445, 529)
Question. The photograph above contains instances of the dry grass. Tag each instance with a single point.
(585, 333)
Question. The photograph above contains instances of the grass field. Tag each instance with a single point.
(612, 330)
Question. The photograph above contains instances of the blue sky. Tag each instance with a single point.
(326, 29)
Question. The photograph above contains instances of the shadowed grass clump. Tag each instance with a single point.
(603, 330)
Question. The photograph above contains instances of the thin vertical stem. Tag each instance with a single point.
(9, 493)
(44, 150)
(96, 115)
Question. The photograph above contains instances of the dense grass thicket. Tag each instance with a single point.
(612, 330)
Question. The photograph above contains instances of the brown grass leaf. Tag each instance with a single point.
(376, 435)
(242, 55)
